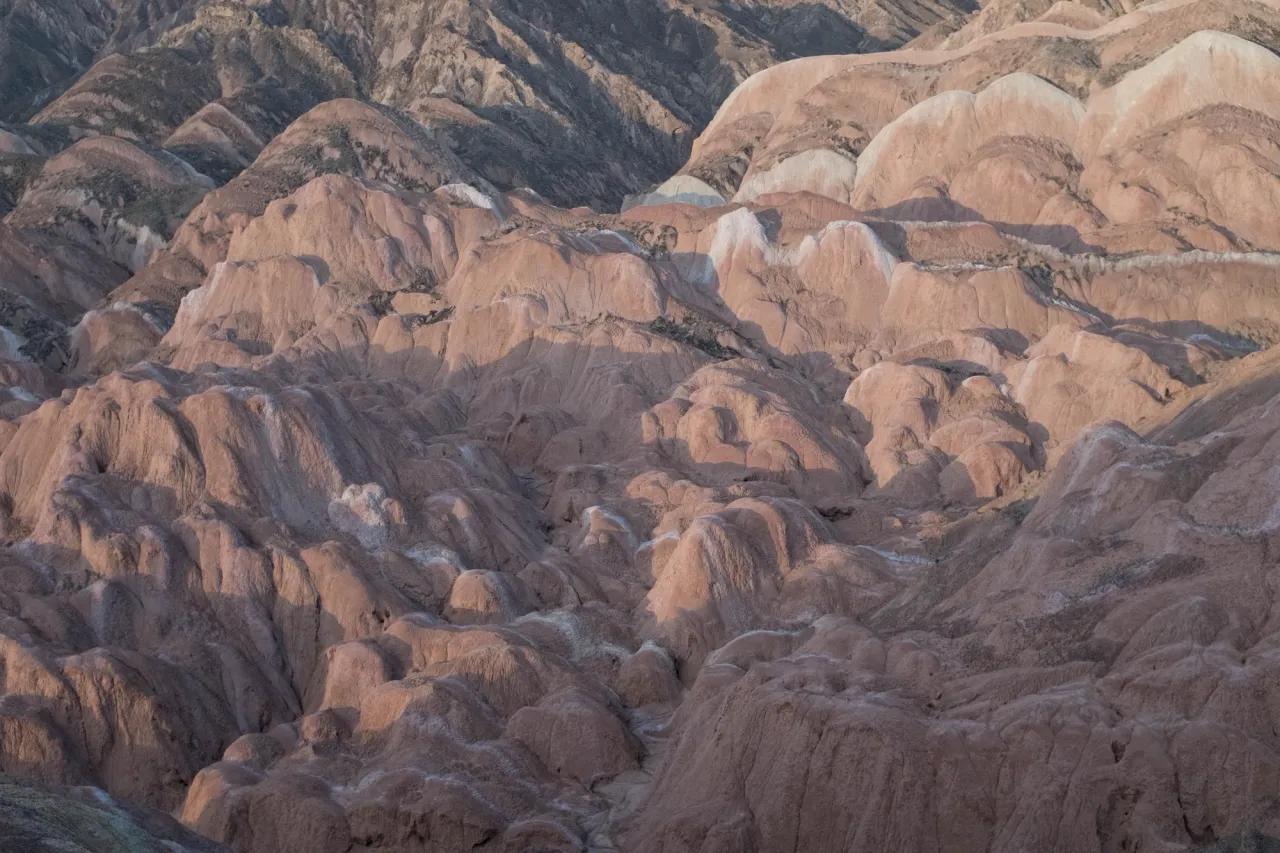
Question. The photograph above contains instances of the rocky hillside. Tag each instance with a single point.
(901, 472)
(583, 101)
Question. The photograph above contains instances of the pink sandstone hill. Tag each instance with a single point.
(688, 427)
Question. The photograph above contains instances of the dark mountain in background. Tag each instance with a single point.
(582, 101)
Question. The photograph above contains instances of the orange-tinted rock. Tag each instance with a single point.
(899, 474)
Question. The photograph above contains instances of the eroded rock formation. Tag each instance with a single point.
(900, 473)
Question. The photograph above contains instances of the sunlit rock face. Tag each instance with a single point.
(401, 450)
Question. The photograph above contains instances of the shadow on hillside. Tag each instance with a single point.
(1063, 237)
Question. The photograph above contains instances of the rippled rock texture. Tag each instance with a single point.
(400, 450)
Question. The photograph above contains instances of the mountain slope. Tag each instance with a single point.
(901, 472)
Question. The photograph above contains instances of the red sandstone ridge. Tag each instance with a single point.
(400, 450)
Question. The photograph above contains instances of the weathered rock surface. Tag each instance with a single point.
(87, 820)
(901, 473)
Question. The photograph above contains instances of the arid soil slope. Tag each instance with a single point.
(900, 473)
